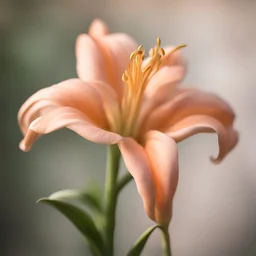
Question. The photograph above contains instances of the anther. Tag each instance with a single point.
(158, 42)
(124, 77)
(162, 51)
(140, 47)
(133, 54)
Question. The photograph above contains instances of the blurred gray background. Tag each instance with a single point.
(214, 207)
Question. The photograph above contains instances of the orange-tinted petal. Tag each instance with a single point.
(90, 62)
(227, 136)
(33, 111)
(98, 28)
(138, 165)
(192, 102)
(163, 156)
(71, 118)
(110, 104)
(73, 93)
(167, 77)
(116, 49)
(161, 88)
(107, 94)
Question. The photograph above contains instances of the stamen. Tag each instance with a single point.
(176, 48)
(137, 79)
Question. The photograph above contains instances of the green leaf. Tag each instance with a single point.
(93, 198)
(67, 194)
(80, 219)
(138, 247)
(90, 197)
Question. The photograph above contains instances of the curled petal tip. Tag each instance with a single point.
(231, 142)
(215, 160)
(24, 147)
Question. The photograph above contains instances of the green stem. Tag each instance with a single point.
(124, 181)
(113, 159)
(166, 242)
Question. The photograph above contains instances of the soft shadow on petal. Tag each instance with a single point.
(32, 112)
(138, 165)
(168, 76)
(163, 155)
(110, 104)
(116, 49)
(192, 102)
(73, 93)
(90, 62)
(107, 94)
(161, 88)
(72, 119)
(98, 28)
(227, 136)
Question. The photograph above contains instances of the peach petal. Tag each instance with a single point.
(98, 28)
(36, 109)
(107, 94)
(227, 136)
(117, 49)
(73, 93)
(72, 119)
(163, 156)
(192, 102)
(120, 47)
(138, 165)
(161, 88)
(110, 104)
(90, 61)
(167, 76)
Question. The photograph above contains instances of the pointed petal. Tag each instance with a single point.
(73, 93)
(72, 119)
(227, 136)
(98, 28)
(138, 165)
(90, 60)
(192, 102)
(163, 156)
(117, 49)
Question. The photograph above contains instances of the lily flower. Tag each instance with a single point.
(123, 98)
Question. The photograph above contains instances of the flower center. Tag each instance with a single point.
(137, 77)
